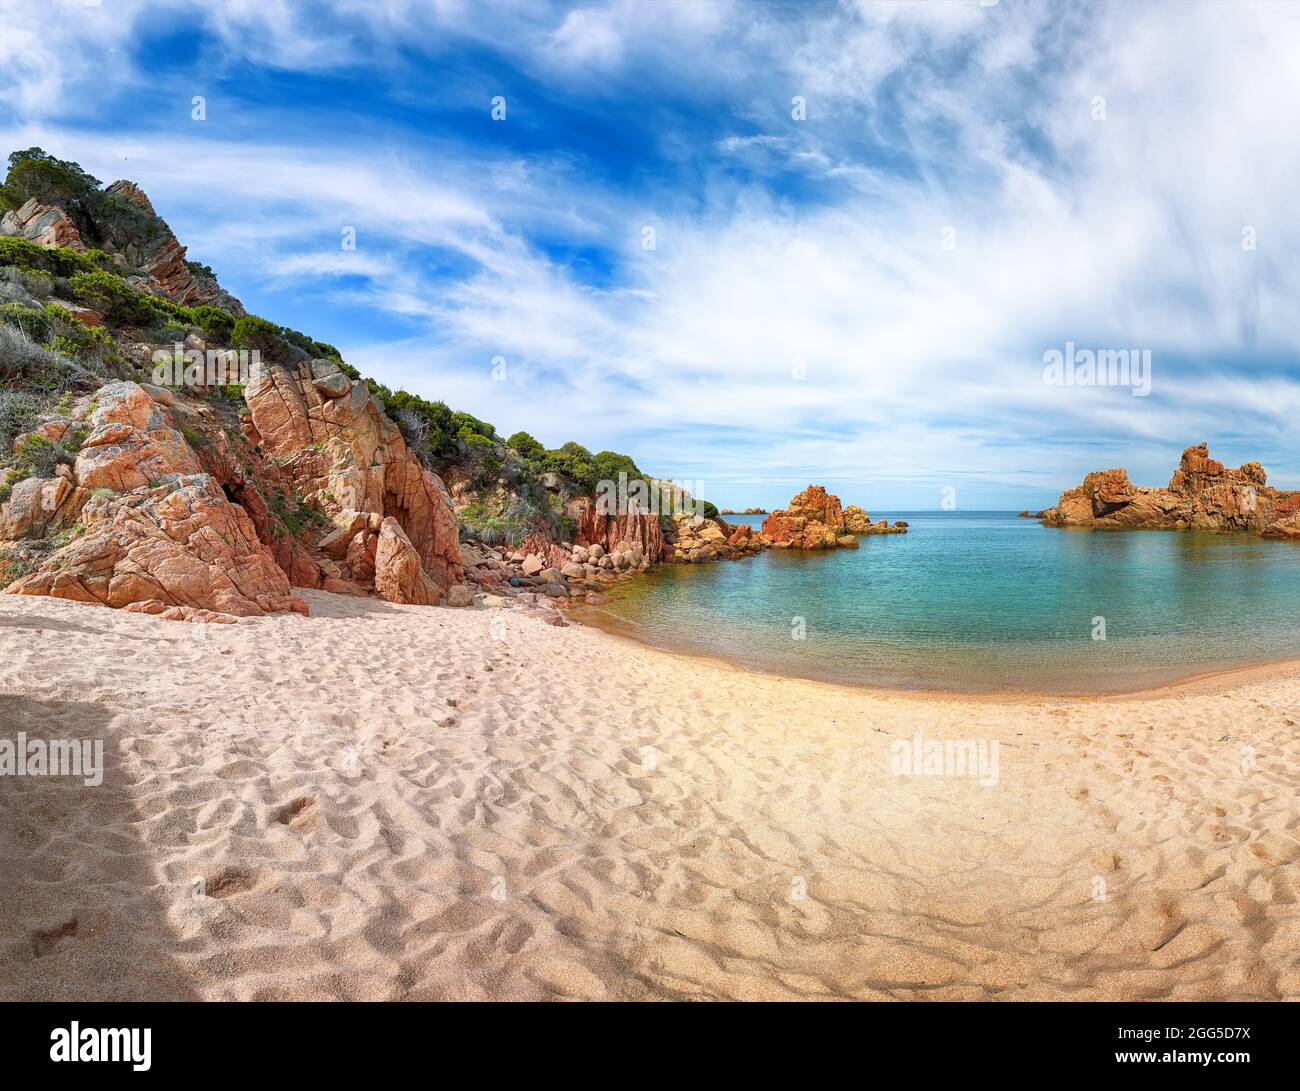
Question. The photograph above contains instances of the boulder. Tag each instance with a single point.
(398, 573)
(179, 544)
(460, 594)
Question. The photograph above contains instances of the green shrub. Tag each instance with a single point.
(32, 321)
(34, 173)
(119, 302)
(574, 462)
(19, 413)
(216, 324)
(261, 336)
(58, 260)
(467, 422)
(37, 456)
(527, 447)
(436, 433)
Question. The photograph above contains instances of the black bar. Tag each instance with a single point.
(333, 1040)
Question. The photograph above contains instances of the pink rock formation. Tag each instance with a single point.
(156, 531)
(815, 520)
(1203, 494)
(540, 545)
(399, 574)
(608, 530)
(157, 254)
(349, 461)
(181, 544)
(44, 225)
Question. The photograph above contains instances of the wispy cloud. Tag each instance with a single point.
(971, 186)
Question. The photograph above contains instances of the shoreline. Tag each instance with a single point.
(393, 802)
(1202, 682)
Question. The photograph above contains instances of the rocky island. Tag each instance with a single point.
(815, 520)
(1203, 494)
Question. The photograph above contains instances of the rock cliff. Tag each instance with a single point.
(169, 509)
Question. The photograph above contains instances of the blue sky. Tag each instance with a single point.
(953, 204)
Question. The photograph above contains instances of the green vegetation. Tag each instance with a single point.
(215, 323)
(46, 352)
(12, 568)
(34, 173)
(295, 515)
(527, 447)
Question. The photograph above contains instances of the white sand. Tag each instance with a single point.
(503, 833)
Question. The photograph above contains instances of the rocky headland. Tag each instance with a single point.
(1203, 494)
(214, 496)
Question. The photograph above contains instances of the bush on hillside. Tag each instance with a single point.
(19, 413)
(34, 173)
(527, 447)
(215, 323)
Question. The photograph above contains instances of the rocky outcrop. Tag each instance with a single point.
(123, 223)
(815, 520)
(548, 553)
(399, 572)
(44, 225)
(348, 461)
(147, 528)
(595, 527)
(180, 549)
(857, 521)
(697, 539)
(139, 239)
(1203, 494)
(164, 511)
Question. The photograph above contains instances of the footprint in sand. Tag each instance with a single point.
(230, 881)
(43, 942)
(300, 814)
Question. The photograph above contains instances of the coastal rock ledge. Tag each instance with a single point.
(1203, 494)
(815, 520)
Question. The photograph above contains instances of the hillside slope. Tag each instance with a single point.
(163, 450)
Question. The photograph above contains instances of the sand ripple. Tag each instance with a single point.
(383, 802)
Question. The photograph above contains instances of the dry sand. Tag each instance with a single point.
(563, 814)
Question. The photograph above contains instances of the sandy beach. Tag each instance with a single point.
(398, 802)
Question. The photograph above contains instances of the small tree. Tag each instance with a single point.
(526, 446)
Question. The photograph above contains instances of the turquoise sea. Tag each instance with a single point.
(982, 601)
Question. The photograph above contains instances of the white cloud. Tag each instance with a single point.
(923, 363)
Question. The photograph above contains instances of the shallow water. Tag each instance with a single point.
(979, 601)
